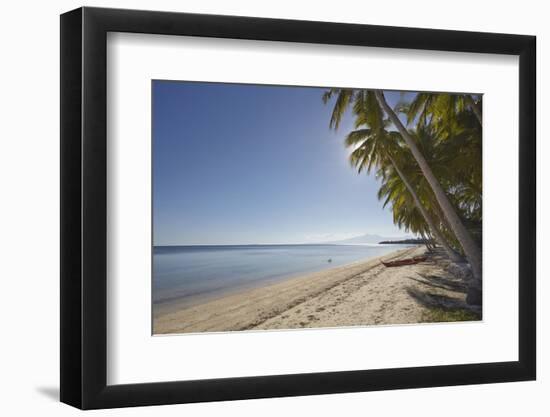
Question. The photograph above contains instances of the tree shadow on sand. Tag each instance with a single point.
(431, 298)
(441, 283)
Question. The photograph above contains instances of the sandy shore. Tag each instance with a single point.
(358, 294)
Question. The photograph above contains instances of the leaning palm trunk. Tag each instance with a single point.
(474, 106)
(426, 242)
(471, 250)
(433, 228)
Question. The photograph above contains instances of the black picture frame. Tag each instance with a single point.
(84, 207)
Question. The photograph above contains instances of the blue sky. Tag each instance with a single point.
(249, 164)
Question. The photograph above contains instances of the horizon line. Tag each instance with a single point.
(288, 244)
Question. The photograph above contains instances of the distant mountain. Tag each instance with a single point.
(367, 238)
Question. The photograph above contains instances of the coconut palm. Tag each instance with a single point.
(405, 212)
(441, 108)
(470, 247)
(456, 162)
(374, 107)
(462, 155)
(373, 145)
(378, 147)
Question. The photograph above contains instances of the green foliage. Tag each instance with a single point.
(440, 315)
(343, 99)
(447, 130)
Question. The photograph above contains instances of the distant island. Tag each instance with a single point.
(404, 242)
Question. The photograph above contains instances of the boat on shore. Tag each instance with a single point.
(404, 262)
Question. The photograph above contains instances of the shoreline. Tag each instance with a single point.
(178, 303)
(359, 293)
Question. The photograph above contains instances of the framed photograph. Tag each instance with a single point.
(258, 208)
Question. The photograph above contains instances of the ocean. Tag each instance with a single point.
(189, 273)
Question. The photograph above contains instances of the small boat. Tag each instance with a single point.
(404, 262)
(329, 260)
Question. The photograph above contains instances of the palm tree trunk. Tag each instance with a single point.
(434, 229)
(426, 243)
(429, 239)
(475, 108)
(471, 250)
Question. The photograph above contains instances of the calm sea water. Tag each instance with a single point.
(187, 273)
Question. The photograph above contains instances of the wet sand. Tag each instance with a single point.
(358, 294)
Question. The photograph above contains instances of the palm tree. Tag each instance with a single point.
(461, 154)
(470, 247)
(372, 143)
(379, 147)
(376, 106)
(441, 108)
(405, 213)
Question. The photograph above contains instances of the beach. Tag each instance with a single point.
(361, 293)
